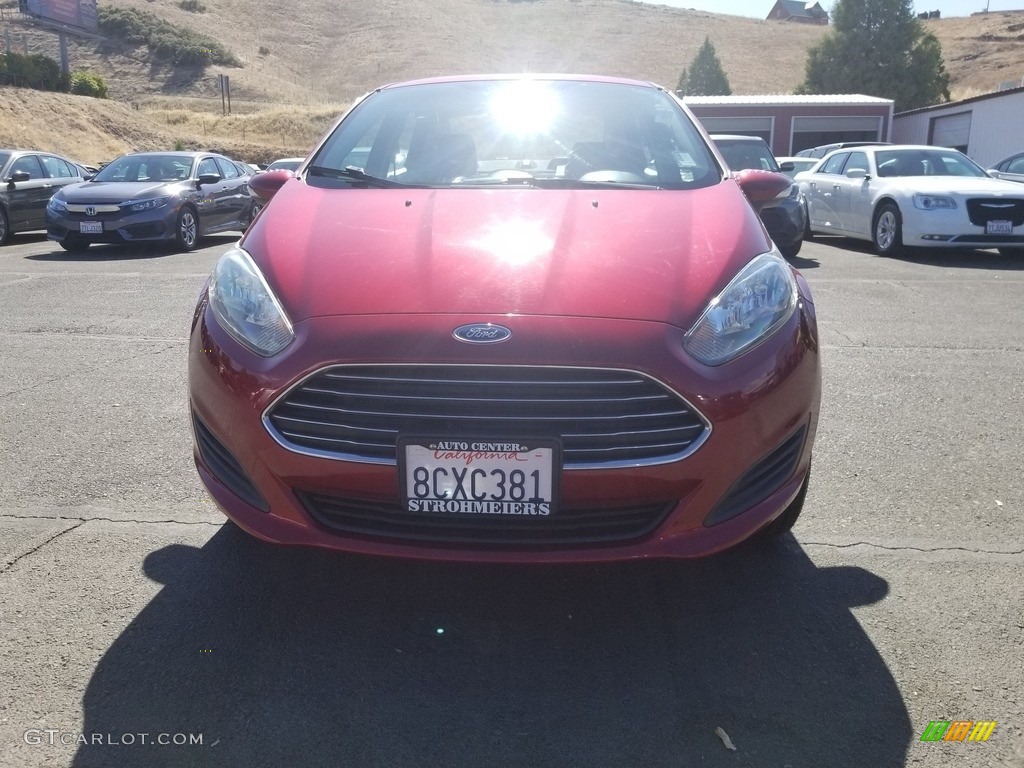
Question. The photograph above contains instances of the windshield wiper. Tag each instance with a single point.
(562, 182)
(352, 174)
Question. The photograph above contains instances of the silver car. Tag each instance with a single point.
(173, 197)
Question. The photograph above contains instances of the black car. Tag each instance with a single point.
(27, 179)
(785, 218)
(146, 197)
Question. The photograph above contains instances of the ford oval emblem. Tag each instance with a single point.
(482, 333)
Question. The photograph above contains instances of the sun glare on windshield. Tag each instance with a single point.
(525, 108)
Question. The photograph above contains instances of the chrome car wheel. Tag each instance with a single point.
(187, 230)
(888, 238)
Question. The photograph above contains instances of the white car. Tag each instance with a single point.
(791, 166)
(901, 196)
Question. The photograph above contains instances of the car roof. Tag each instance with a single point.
(524, 78)
(734, 137)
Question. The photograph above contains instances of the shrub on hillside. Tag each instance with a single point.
(35, 71)
(193, 6)
(165, 40)
(88, 84)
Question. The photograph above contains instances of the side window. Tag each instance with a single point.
(858, 161)
(1016, 165)
(227, 169)
(208, 165)
(28, 163)
(835, 163)
(55, 167)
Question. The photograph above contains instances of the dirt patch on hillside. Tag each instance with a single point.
(981, 51)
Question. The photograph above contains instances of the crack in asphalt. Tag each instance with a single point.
(167, 348)
(82, 520)
(35, 549)
(910, 548)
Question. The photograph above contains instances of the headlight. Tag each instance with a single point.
(933, 202)
(758, 301)
(57, 206)
(244, 305)
(146, 205)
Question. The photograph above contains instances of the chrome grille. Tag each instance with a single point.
(604, 418)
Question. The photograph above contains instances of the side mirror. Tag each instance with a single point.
(19, 176)
(264, 186)
(856, 173)
(789, 165)
(761, 186)
(209, 178)
(995, 174)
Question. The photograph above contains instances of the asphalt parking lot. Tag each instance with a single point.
(136, 629)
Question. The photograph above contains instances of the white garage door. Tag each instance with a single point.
(952, 131)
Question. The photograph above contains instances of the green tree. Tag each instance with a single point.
(878, 48)
(704, 76)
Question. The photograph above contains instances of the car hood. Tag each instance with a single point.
(114, 191)
(953, 185)
(634, 254)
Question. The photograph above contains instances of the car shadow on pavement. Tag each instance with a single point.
(104, 252)
(292, 657)
(803, 263)
(966, 258)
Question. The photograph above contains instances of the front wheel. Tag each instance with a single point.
(4, 229)
(790, 250)
(186, 230)
(887, 231)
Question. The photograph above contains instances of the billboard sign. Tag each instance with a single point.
(73, 14)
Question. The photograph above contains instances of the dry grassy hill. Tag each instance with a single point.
(302, 63)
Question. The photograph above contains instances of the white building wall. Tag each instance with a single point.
(997, 125)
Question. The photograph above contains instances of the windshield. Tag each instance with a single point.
(926, 162)
(146, 168)
(516, 133)
(4, 157)
(743, 154)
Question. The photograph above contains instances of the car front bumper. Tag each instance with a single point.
(154, 225)
(760, 406)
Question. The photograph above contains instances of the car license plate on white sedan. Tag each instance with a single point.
(90, 227)
(999, 227)
(478, 476)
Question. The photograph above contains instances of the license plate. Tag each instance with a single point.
(90, 227)
(999, 228)
(479, 476)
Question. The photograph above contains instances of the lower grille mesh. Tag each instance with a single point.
(566, 528)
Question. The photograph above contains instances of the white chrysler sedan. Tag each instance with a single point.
(903, 196)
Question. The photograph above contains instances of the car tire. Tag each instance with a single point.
(74, 246)
(790, 250)
(254, 210)
(4, 228)
(186, 229)
(785, 522)
(887, 230)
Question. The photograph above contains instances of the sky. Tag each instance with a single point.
(758, 9)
